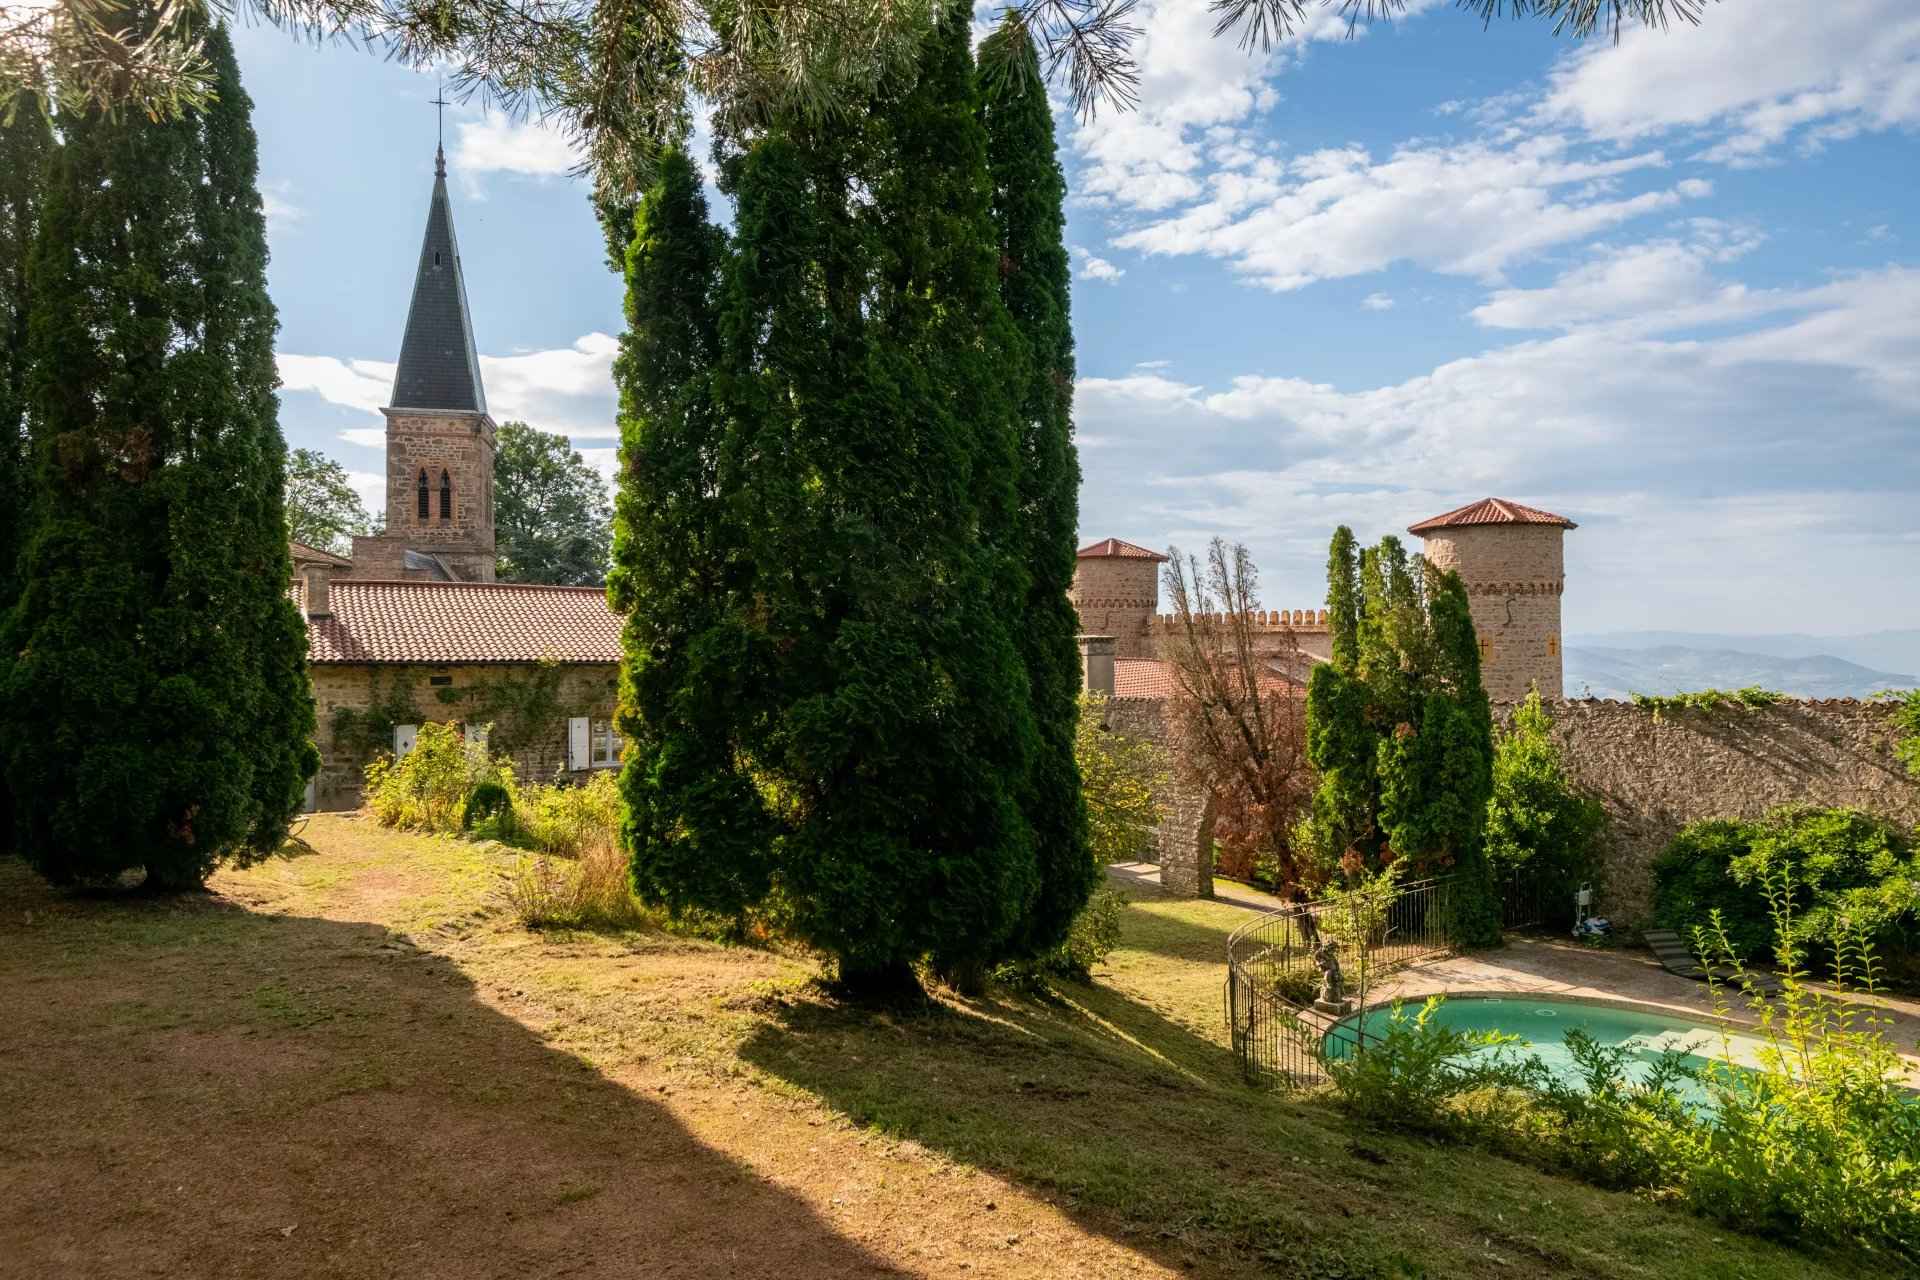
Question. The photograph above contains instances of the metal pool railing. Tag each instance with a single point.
(1279, 1036)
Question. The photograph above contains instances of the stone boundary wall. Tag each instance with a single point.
(1185, 838)
(1654, 777)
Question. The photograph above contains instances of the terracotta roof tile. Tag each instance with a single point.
(1491, 511)
(1142, 678)
(304, 554)
(462, 622)
(1114, 547)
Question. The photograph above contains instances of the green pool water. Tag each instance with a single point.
(1543, 1024)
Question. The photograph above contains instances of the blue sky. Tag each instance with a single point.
(1670, 289)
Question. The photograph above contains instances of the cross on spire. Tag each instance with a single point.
(439, 101)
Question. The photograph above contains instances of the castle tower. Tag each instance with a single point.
(1510, 558)
(440, 438)
(1116, 591)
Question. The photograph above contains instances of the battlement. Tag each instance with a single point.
(1311, 620)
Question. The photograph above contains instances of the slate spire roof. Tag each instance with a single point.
(438, 367)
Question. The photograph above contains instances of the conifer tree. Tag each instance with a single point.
(25, 143)
(830, 708)
(1399, 727)
(698, 827)
(1029, 192)
(157, 707)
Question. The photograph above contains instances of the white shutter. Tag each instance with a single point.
(404, 736)
(579, 743)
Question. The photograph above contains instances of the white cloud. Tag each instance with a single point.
(372, 488)
(1096, 268)
(277, 203)
(366, 437)
(1469, 209)
(568, 390)
(1685, 460)
(1659, 285)
(357, 384)
(1377, 302)
(1755, 77)
(497, 144)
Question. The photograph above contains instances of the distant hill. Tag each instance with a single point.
(1879, 650)
(1619, 672)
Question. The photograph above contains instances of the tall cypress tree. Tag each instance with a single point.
(1400, 730)
(157, 707)
(830, 709)
(26, 141)
(694, 817)
(1029, 194)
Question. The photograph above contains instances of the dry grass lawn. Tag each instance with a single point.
(353, 1062)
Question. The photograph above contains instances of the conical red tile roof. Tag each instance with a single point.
(1490, 511)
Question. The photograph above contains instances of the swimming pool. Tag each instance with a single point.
(1543, 1023)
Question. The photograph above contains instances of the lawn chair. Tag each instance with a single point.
(1676, 956)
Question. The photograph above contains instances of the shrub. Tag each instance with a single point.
(1819, 1137)
(1537, 824)
(587, 892)
(1416, 1072)
(1859, 871)
(1611, 1129)
(572, 821)
(1119, 776)
(489, 803)
(427, 788)
(1094, 934)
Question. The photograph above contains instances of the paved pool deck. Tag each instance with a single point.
(1530, 964)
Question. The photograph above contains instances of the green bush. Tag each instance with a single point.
(489, 805)
(1609, 1128)
(1094, 934)
(427, 788)
(1538, 826)
(569, 820)
(1415, 1072)
(1810, 1136)
(1859, 872)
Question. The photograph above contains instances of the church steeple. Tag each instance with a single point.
(438, 366)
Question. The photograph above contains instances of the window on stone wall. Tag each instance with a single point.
(1486, 648)
(446, 496)
(1553, 646)
(607, 745)
(421, 493)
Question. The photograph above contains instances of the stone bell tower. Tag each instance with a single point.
(440, 438)
(1511, 559)
(1116, 591)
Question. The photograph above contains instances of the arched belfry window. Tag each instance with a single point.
(446, 496)
(421, 493)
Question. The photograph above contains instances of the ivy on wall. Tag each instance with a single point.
(1906, 718)
(1751, 698)
(524, 707)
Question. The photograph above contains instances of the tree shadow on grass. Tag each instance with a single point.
(193, 1089)
(1139, 1128)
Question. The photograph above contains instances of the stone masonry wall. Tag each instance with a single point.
(1185, 838)
(1116, 596)
(460, 445)
(583, 691)
(1655, 777)
(1515, 576)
